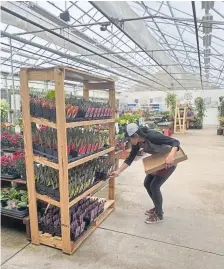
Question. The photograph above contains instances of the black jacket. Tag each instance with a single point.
(156, 139)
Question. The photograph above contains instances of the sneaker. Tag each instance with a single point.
(153, 219)
(150, 212)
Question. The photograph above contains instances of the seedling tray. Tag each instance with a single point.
(10, 176)
(14, 212)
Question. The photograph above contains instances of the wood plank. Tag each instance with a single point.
(45, 161)
(62, 159)
(89, 158)
(86, 76)
(28, 147)
(97, 187)
(43, 121)
(93, 227)
(88, 122)
(99, 85)
(19, 181)
(52, 241)
(40, 75)
(47, 199)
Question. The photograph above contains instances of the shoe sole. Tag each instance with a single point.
(158, 221)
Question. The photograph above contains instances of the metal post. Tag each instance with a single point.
(13, 84)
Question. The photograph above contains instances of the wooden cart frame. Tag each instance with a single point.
(90, 82)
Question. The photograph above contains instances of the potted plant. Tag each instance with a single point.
(200, 108)
(46, 109)
(8, 168)
(38, 108)
(20, 165)
(170, 101)
(4, 108)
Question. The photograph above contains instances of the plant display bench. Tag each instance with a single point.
(91, 82)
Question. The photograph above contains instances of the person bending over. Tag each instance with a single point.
(152, 142)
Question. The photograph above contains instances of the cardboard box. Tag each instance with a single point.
(156, 162)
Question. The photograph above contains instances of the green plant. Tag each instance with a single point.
(200, 107)
(50, 95)
(171, 99)
(128, 118)
(4, 108)
(221, 108)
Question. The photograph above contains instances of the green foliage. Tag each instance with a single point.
(128, 118)
(221, 108)
(4, 108)
(200, 108)
(170, 101)
(50, 95)
(14, 198)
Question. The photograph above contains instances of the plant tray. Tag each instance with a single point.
(9, 176)
(7, 149)
(14, 212)
(156, 162)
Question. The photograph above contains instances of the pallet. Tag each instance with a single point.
(58, 75)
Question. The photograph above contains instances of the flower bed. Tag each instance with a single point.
(82, 215)
(81, 178)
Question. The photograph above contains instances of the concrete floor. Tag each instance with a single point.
(191, 236)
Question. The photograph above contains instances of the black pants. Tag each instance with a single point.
(153, 183)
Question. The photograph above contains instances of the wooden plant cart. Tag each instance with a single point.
(91, 82)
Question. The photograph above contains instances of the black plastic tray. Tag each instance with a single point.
(8, 176)
(15, 212)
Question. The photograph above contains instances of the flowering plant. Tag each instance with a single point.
(10, 139)
(7, 165)
(20, 165)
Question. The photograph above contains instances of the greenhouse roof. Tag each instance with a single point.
(143, 45)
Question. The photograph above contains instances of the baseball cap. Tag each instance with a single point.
(132, 128)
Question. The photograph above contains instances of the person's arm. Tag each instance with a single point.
(127, 162)
(161, 139)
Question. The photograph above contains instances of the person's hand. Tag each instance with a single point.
(169, 161)
(114, 174)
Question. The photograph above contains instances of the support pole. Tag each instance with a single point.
(29, 156)
(63, 159)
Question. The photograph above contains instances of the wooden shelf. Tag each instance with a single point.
(95, 188)
(90, 82)
(19, 181)
(45, 161)
(107, 210)
(51, 124)
(51, 201)
(43, 121)
(56, 241)
(90, 157)
(47, 199)
(88, 122)
(49, 240)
